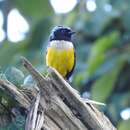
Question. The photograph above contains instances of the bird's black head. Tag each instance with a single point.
(61, 33)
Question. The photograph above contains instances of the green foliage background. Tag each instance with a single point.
(102, 46)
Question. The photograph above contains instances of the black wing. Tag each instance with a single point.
(68, 75)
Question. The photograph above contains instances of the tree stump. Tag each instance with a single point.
(55, 105)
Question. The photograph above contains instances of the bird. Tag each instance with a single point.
(60, 52)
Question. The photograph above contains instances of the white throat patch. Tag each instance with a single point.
(61, 44)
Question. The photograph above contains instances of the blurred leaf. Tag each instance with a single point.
(98, 20)
(39, 34)
(104, 43)
(119, 102)
(94, 63)
(97, 54)
(120, 5)
(14, 51)
(126, 20)
(124, 125)
(70, 18)
(103, 86)
(36, 10)
(2, 76)
(15, 76)
(10, 51)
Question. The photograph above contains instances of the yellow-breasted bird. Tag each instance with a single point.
(60, 51)
(61, 54)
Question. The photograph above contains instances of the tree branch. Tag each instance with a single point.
(57, 106)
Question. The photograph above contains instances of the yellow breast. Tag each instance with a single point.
(60, 59)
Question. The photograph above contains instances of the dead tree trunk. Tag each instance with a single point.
(56, 105)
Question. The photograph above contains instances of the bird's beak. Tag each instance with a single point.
(72, 32)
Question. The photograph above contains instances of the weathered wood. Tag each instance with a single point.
(63, 116)
(56, 106)
(13, 91)
(53, 102)
(29, 105)
(35, 117)
(4, 120)
(88, 114)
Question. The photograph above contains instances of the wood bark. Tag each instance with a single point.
(55, 105)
